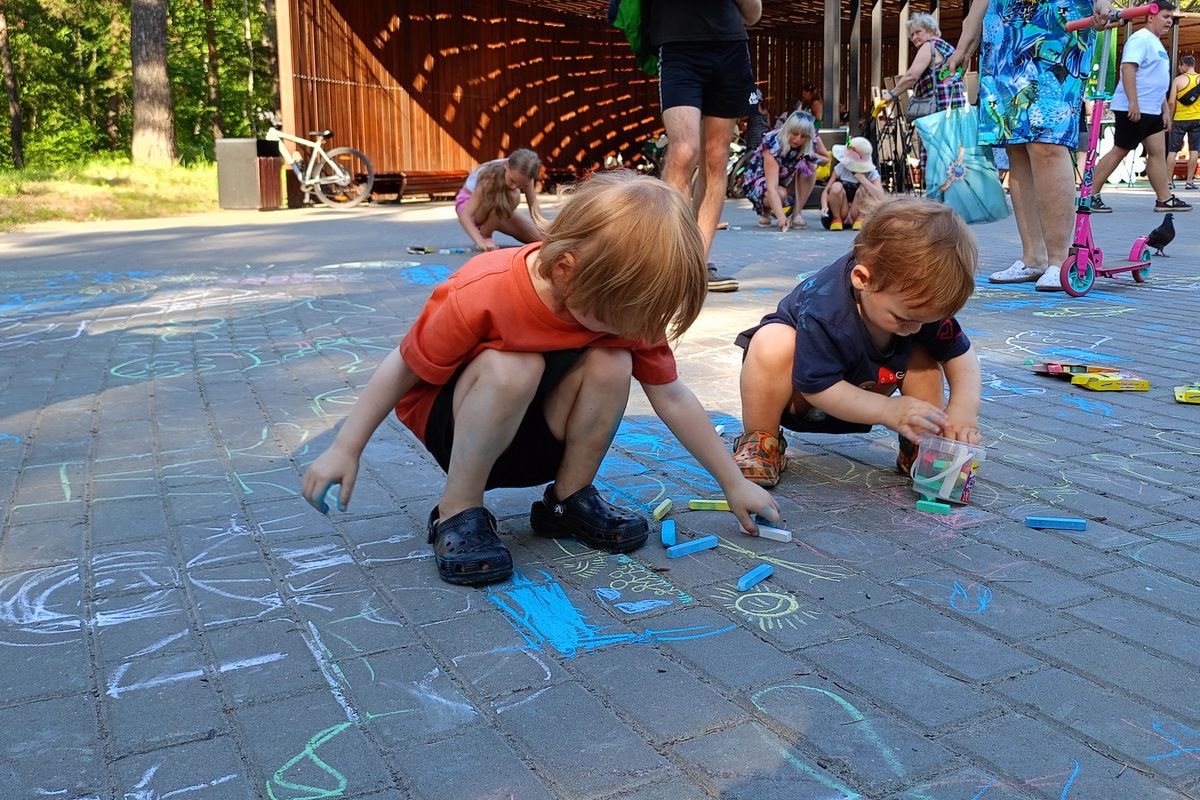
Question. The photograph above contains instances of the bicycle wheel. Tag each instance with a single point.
(347, 181)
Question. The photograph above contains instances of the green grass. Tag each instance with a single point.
(105, 189)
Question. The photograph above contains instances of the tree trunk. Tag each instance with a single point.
(153, 112)
(214, 91)
(10, 86)
(270, 45)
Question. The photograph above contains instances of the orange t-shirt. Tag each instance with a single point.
(490, 304)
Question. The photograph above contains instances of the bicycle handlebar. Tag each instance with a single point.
(1115, 15)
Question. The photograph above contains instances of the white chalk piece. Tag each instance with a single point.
(694, 546)
(668, 533)
(755, 576)
(774, 534)
(719, 429)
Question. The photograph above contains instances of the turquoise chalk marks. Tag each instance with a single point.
(971, 599)
(1070, 781)
(543, 615)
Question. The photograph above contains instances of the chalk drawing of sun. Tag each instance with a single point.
(769, 610)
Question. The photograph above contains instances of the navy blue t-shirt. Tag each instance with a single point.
(833, 344)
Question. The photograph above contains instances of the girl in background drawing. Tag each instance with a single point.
(488, 200)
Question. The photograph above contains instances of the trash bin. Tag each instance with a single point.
(248, 174)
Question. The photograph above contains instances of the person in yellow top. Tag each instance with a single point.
(1185, 99)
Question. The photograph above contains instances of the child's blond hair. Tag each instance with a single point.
(921, 250)
(639, 256)
(495, 195)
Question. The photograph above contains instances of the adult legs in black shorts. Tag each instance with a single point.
(1188, 129)
(1147, 131)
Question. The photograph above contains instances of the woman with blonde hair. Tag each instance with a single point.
(782, 171)
(488, 200)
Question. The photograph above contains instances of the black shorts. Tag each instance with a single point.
(1189, 129)
(1128, 135)
(534, 455)
(715, 77)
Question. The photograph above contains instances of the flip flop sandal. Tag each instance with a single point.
(589, 518)
(467, 549)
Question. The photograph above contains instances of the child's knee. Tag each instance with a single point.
(773, 346)
(609, 363)
(508, 372)
(837, 191)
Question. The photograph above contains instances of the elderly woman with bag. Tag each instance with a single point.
(929, 93)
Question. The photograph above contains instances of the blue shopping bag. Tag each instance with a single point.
(958, 171)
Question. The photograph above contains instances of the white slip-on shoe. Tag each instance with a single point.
(1051, 280)
(1017, 273)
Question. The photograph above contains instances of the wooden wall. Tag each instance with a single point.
(427, 85)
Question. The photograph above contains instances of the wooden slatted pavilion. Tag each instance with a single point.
(430, 85)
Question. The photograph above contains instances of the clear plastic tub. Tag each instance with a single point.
(945, 469)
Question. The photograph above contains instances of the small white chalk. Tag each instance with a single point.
(774, 534)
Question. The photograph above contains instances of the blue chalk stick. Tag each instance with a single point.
(694, 546)
(759, 573)
(1057, 523)
(668, 533)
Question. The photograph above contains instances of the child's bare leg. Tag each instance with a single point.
(766, 378)
(766, 387)
(838, 205)
(924, 379)
(584, 411)
(489, 403)
(520, 227)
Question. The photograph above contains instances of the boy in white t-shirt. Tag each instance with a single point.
(1141, 111)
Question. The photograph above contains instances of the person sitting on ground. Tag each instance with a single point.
(516, 373)
(488, 200)
(854, 186)
(829, 359)
(782, 172)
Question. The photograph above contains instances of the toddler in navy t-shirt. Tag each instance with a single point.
(831, 356)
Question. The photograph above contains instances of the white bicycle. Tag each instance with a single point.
(341, 177)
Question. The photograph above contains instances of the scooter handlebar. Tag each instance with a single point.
(1116, 14)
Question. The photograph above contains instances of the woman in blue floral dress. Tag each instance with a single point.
(1031, 79)
(782, 171)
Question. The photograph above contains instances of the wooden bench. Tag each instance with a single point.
(405, 184)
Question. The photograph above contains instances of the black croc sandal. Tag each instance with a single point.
(466, 548)
(591, 519)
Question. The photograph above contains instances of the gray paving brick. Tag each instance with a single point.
(616, 756)
(1176, 685)
(967, 784)
(1142, 734)
(33, 654)
(899, 682)
(1024, 577)
(1060, 549)
(307, 740)
(58, 750)
(39, 544)
(749, 762)
(865, 552)
(265, 659)
(158, 699)
(1181, 561)
(725, 651)
(1144, 625)
(1153, 587)
(1050, 765)
(957, 647)
(127, 520)
(472, 764)
(234, 593)
(674, 789)
(658, 694)
(989, 605)
(852, 736)
(210, 765)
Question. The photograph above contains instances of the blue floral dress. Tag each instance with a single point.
(754, 182)
(1032, 72)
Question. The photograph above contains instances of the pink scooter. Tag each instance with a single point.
(1086, 260)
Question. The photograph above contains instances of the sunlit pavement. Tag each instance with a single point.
(176, 622)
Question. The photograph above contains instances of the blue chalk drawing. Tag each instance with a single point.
(1070, 781)
(1090, 406)
(9, 438)
(427, 275)
(543, 614)
(1189, 732)
(1073, 355)
(612, 597)
(986, 786)
(972, 600)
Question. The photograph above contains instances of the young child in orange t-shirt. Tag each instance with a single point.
(517, 373)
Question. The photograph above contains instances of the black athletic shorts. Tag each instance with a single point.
(715, 77)
(1189, 129)
(534, 455)
(1128, 135)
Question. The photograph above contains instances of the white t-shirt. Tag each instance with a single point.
(1153, 73)
(473, 178)
(847, 176)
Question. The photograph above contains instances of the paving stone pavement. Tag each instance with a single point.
(176, 622)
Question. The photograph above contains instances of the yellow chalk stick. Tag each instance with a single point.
(662, 509)
(708, 505)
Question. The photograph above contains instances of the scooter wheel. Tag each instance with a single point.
(1140, 275)
(1077, 279)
